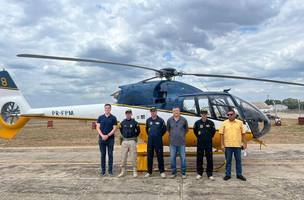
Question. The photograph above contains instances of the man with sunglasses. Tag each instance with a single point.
(233, 139)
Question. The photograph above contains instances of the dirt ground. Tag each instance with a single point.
(35, 173)
(63, 163)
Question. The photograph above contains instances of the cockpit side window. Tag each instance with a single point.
(189, 105)
(221, 104)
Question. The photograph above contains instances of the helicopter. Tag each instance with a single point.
(164, 94)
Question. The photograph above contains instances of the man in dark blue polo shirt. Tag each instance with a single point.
(106, 127)
(155, 128)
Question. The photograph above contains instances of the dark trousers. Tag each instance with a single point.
(105, 146)
(201, 151)
(236, 151)
(155, 144)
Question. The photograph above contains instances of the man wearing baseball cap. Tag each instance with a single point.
(129, 130)
(204, 130)
(155, 128)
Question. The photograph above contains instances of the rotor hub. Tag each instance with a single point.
(168, 73)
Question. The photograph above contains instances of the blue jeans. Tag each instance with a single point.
(182, 153)
(238, 160)
(103, 147)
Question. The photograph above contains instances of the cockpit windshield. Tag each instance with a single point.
(218, 105)
(256, 119)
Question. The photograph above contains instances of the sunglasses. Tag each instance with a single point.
(229, 114)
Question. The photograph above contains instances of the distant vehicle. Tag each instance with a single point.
(277, 121)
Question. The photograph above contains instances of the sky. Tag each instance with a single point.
(263, 39)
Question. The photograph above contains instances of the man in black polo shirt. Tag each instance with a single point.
(155, 128)
(204, 130)
(129, 130)
(106, 127)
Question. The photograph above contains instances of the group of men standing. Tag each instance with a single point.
(232, 140)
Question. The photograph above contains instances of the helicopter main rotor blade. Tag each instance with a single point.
(167, 73)
(148, 79)
(84, 60)
(244, 78)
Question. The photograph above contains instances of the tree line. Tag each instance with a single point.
(289, 102)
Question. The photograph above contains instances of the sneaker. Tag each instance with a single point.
(173, 176)
(103, 174)
(226, 178)
(121, 175)
(241, 177)
(111, 174)
(198, 177)
(147, 175)
(135, 172)
(163, 175)
(184, 176)
(211, 178)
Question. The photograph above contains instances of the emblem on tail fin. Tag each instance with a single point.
(10, 112)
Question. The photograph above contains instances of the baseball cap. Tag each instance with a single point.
(204, 111)
(153, 109)
(128, 111)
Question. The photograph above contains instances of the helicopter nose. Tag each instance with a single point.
(259, 126)
(258, 122)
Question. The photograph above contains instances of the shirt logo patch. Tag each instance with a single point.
(131, 126)
(151, 123)
(208, 125)
(199, 133)
(157, 123)
(201, 126)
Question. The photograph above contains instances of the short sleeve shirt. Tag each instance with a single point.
(232, 132)
(177, 130)
(107, 123)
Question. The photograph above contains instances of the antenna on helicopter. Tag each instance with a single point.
(227, 90)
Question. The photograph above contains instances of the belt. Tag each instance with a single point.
(129, 139)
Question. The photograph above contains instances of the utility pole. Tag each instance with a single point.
(275, 108)
(299, 105)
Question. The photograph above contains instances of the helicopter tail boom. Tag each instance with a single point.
(12, 105)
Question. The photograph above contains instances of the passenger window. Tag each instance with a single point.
(203, 103)
(189, 105)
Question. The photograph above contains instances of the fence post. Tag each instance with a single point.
(50, 124)
(93, 125)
